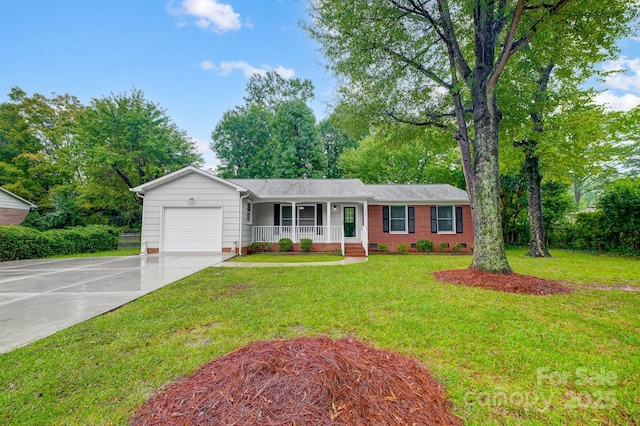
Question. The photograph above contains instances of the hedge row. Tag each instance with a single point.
(613, 227)
(17, 242)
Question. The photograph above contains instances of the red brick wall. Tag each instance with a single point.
(315, 248)
(423, 230)
(12, 216)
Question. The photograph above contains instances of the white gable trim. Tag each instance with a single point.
(140, 189)
(17, 197)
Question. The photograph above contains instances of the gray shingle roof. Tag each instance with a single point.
(284, 188)
(421, 193)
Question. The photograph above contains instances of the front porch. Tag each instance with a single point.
(317, 234)
(329, 225)
(324, 238)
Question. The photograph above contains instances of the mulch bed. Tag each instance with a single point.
(305, 381)
(511, 283)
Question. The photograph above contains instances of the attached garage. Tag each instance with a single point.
(191, 210)
(192, 229)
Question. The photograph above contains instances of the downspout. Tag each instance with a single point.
(242, 197)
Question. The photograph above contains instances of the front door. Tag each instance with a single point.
(349, 222)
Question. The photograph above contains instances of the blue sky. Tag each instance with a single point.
(192, 57)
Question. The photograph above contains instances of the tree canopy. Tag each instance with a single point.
(123, 141)
(404, 154)
(78, 162)
(439, 63)
(275, 134)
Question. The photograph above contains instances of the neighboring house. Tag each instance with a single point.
(191, 210)
(13, 209)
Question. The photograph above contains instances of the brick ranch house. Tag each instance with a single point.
(13, 209)
(191, 210)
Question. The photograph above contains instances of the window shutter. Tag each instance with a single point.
(459, 220)
(385, 218)
(434, 220)
(276, 215)
(412, 220)
(319, 215)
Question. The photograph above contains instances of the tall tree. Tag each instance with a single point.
(270, 90)
(242, 141)
(404, 154)
(334, 143)
(123, 141)
(432, 61)
(36, 134)
(546, 83)
(273, 134)
(298, 149)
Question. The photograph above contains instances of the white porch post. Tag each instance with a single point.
(365, 214)
(365, 227)
(329, 222)
(294, 216)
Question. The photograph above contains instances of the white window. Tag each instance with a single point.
(398, 219)
(445, 219)
(307, 215)
(249, 212)
(286, 215)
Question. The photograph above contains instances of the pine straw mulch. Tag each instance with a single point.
(305, 381)
(511, 283)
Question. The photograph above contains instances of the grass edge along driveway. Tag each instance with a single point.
(505, 358)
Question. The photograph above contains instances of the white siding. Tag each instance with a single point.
(9, 202)
(205, 193)
(246, 227)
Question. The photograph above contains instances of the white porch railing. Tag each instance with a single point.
(318, 234)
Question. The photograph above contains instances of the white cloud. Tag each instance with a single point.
(622, 86)
(202, 146)
(207, 65)
(629, 80)
(210, 14)
(614, 102)
(227, 67)
(286, 73)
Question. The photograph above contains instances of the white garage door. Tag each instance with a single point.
(192, 229)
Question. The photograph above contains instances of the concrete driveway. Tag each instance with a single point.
(41, 297)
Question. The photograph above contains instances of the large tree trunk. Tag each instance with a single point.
(488, 253)
(537, 242)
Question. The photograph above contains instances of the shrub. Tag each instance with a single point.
(260, 247)
(619, 206)
(402, 247)
(443, 246)
(305, 244)
(285, 244)
(457, 248)
(88, 239)
(17, 242)
(382, 247)
(424, 245)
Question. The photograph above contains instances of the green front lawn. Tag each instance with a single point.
(505, 358)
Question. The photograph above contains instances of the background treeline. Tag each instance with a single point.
(77, 162)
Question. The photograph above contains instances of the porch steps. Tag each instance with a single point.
(354, 250)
